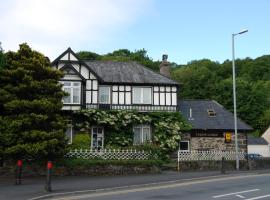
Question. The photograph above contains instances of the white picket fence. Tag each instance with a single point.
(110, 154)
(209, 155)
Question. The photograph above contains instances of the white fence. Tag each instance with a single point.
(110, 154)
(209, 155)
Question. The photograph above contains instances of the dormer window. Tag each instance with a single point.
(211, 112)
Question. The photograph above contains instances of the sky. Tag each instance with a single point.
(186, 30)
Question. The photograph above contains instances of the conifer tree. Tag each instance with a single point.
(31, 125)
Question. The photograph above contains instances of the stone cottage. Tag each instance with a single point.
(213, 127)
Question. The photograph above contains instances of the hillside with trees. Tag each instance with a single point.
(206, 79)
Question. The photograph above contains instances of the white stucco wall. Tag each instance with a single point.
(264, 150)
(266, 135)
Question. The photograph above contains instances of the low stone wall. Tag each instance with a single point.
(81, 171)
(259, 164)
(210, 165)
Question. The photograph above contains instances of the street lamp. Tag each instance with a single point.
(234, 100)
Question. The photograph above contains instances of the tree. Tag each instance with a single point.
(30, 105)
(2, 57)
(123, 55)
(205, 79)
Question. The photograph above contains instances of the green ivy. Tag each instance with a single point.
(167, 126)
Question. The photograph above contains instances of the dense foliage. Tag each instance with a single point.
(167, 127)
(30, 105)
(204, 79)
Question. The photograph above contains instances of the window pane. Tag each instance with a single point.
(146, 135)
(65, 83)
(76, 84)
(121, 97)
(184, 146)
(136, 95)
(115, 98)
(121, 88)
(76, 95)
(137, 136)
(69, 134)
(104, 94)
(67, 99)
(147, 94)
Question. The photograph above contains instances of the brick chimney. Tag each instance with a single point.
(164, 67)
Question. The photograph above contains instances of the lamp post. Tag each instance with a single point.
(234, 100)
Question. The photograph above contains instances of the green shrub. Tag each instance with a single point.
(81, 141)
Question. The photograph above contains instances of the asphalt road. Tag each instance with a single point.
(237, 187)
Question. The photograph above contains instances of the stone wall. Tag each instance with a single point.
(216, 143)
(211, 165)
(36, 170)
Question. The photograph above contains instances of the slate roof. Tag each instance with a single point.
(223, 120)
(127, 72)
(256, 140)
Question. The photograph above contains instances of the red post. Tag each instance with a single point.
(48, 186)
(18, 175)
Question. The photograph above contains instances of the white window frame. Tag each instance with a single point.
(69, 126)
(142, 127)
(72, 87)
(99, 99)
(142, 96)
(188, 142)
(92, 137)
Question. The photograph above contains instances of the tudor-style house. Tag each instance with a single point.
(116, 86)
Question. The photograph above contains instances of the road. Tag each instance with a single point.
(237, 187)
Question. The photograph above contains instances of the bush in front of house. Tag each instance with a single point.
(81, 141)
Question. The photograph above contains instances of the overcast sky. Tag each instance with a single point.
(184, 29)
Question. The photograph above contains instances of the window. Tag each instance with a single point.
(97, 140)
(69, 133)
(211, 112)
(184, 146)
(142, 95)
(104, 94)
(142, 134)
(74, 91)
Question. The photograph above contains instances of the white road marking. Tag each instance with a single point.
(235, 193)
(240, 196)
(259, 197)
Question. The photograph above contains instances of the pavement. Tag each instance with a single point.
(33, 187)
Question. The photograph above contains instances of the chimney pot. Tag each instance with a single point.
(164, 57)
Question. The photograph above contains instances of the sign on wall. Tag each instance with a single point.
(228, 137)
(206, 134)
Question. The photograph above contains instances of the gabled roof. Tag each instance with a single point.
(201, 120)
(69, 66)
(69, 52)
(127, 72)
(256, 140)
